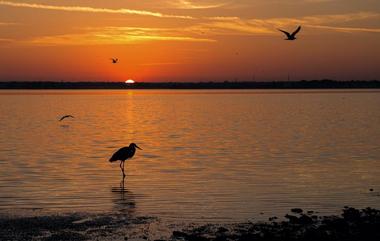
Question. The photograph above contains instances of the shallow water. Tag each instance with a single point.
(207, 155)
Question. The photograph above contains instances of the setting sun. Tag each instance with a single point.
(130, 81)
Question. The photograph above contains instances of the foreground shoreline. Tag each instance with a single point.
(304, 84)
(350, 224)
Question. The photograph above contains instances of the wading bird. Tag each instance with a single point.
(291, 36)
(123, 154)
(114, 61)
(66, 116)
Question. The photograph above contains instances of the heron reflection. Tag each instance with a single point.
(123, 199)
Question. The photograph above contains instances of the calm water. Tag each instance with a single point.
(208, 155)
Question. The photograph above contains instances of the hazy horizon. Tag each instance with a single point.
(187, 41)
(195, 81)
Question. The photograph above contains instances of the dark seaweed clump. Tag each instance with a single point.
(352, 225)
(75, 227)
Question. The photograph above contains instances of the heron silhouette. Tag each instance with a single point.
(123, 154)
(291, 36)
(114, 60)
(66, 116)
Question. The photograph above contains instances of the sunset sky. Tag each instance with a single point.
(180, 40)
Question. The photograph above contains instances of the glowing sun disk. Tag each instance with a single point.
(130, 81)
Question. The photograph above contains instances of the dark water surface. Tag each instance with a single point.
(208, 155)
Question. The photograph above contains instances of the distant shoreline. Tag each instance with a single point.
(304, 84)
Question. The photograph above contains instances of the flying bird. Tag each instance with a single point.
(123, 154)
(66, 116)
(291, 36)
(114, 60)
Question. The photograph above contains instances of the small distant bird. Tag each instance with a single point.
(123, 154)
(114, 61)
(371, 189)
(291, 36)
(66, 116)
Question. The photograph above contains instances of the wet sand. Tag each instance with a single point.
(351, 224)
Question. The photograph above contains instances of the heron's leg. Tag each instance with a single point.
(123, 170)
(121, 167)
(122, 183)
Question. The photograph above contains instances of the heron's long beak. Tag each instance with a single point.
(138, 147)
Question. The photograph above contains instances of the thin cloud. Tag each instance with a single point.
(115, 36)
(91, 9)
(341, 18)
(185, 4)
(6, 40)
(234, 27)
(316, 19)
(161, 63)
(346, 29)
(320, 1)
(8, 24)
(238, 26)
(223, 18)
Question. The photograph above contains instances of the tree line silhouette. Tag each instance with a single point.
(303, 84)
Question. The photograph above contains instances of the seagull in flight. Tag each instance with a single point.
(66, 116)
(114, 60)
(291, 36)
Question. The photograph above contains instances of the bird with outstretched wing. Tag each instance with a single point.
(291, 36)
(66, 116)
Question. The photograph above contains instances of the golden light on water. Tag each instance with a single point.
(130, 81)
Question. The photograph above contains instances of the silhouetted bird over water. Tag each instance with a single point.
(123, 154)
(114, 61)
(291, 36)
(66, 116)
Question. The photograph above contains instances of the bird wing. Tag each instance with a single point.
(118, 155)
(297, 30)
(66, 116)
(287, 34)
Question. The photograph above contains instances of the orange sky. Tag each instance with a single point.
(180, 40)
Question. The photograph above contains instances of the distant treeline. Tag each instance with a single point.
(303, 84)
